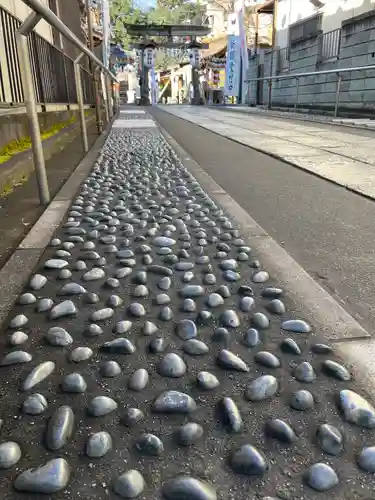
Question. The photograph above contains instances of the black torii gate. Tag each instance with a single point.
(144, 32)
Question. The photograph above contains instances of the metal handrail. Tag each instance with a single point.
(297, 76)
(40, 11)
(54, 21)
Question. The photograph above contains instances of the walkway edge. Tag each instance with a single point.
(352, 342)
(18, 269)
(349, 187)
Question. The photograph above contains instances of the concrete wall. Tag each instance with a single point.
(357, 90)
(19, 9)
(334, 13)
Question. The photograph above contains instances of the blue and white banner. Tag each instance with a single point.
(233, 66)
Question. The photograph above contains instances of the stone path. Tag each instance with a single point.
(152, 356)
(343, 157)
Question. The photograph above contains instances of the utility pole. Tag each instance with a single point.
(93, 70)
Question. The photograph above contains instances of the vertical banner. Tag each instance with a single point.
(106, 22)
(232, 69)
(153, 86)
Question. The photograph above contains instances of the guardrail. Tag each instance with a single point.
(297, 76)
(30, 88)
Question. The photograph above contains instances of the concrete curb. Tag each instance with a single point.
(18, 269)
(351, 341)
(284, 160)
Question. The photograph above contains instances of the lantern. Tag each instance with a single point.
(193, 53)
(149, 56)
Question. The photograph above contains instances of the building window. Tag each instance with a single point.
(305, 29)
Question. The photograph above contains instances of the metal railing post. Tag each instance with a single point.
(108, 94)
(269, 104)
(30, 102)
(105, 96)
(80, 101)
(338, 87)
(297, 95)
(98, 109)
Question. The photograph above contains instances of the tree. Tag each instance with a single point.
(122, 11)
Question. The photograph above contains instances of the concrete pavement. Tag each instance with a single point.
(342, 156)
(166, 347)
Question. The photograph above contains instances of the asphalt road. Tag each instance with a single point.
(327, 229)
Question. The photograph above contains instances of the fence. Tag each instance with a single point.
(329, 46)
(52, 70)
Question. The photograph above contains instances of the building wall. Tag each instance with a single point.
(19, 9)
(357, 49)
(334, 12)
(218, 18)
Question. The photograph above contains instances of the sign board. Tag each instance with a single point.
(232, 69)
(149, 57)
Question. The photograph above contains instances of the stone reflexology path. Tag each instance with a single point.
(152, 356)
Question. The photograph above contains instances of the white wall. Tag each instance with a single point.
(334, 12)
(218, 18)
(19, 9)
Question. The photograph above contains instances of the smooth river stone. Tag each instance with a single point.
(18, 321)
(356, 409)
(229, 319)
(96, 273)
(18, 338)
(280, 430)
(149, 444)
(246, 304)
(80, 354)
(122, 327)
(172, 365)
(321, 477)
(165, 283)
(73, 383)
(276, 306)
(56, 264)
(50, 478)
(334, 369)
(101, 406)
(215, 300)
(231, 276)
(35, 404)
(366, 459)
(262, 388)
(330, 439)
(27, 299)
(137, 310)
(98, 444)
(109, 369)
(123, 272)
(37, 282)
(59, 337)
(138, 380)
(10, 454)
(102, 314)
(267, 359)
(231, 415)
(296, 326)
(302, 400)
(163, 241)
(321, 349)
(72, 289)
(195, 347)
(290, 346)
(230, 361)
(65, 308)
(165, 314)
(159, 270)
(251, 338)
(207, 381)
(192, 291)
(118, 346)
(129, 485)
(44, 305)
(187, 487)
(229, 264)
(149, 328)
(132, 417)
(260, 321)
(174, 402)
(59, 428)
(189, 434)
(140, 291)
(304, 372)
(16, 358)
(37, 375)
(249, 461)
(186, 329)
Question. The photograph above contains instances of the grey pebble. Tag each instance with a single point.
(10, 454)
(65, 308)
(132, 417)
(249, 461)
(172, 365)
(302, 400)
(149, 444)
(262, 388)
(35, 404)
(118, 346)
(109, 369)
(138, 380)
(101, 406)
(304, 372)
(189, 434)
(129, 485)
(73, 383)
(231, 415)
(80, 354)
(60, 428)
(230, 361)
(98, 444)
(321, 477)
(330, 439)
(37, 375)
(57, 336)
(187, 487)
(50, 478)
(16, 358)
(174, 402)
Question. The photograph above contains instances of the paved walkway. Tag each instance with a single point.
(342, 156)
(151, 355)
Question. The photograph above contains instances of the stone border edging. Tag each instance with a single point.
(19, 267)
(352, 342)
